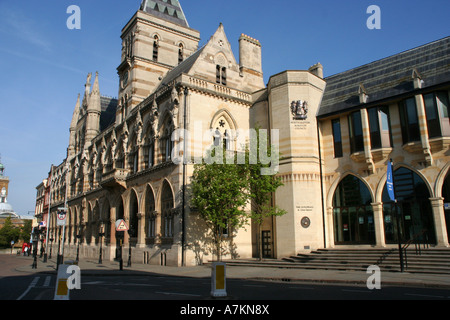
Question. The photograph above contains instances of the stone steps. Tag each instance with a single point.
(433, 261)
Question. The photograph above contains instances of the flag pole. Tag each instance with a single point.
(48, 215)
(391, 191)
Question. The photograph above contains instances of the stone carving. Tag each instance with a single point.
(299, 109)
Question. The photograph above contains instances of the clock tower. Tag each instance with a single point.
(154, 41)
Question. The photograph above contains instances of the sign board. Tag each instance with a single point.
(447, 206)
(121, 225)
(61, 217)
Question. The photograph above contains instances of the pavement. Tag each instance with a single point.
(112, 268)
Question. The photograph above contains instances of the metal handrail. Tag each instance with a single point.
(405, 246)
(426, 243)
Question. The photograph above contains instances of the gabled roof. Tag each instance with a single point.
(166, 9)
(184, 67)
(212, 47)
(108, 114)
(388, 77)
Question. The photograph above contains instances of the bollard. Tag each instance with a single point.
(218, 280)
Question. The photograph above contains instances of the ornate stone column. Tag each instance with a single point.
(437, 207)
(377, 208)
(141, 229)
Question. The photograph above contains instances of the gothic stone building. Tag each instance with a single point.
(335, 135)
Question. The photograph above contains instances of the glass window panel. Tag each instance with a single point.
(442, 100)
(337, 139)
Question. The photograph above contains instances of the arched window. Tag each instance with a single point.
(221, 75)
(352, 212)
(133, 225)
(223, 133)
(446, 196)
(150, 215)
(167, 211)
(180, 53)
(413, 208)
(155, 48)
(166, 140)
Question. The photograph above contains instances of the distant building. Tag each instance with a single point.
(6, 209)
(336, 136)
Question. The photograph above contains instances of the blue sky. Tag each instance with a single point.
(44, 64)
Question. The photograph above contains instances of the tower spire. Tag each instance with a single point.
(166, 9)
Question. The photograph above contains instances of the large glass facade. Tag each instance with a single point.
(413, 208)
(446, 196)
(352, 212)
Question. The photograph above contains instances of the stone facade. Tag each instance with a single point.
(122, 155)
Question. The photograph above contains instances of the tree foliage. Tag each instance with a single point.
(219, 194)
(8, 233)
(221, 191)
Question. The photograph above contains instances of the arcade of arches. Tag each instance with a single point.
(355, 212)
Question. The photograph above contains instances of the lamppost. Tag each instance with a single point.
(51, 245)
(35, 240)
(130, 233)
(59, 256)
(101, 234)
(78, 243)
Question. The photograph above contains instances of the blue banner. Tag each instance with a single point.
(390, 181)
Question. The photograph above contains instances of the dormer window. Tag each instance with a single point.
(221, 75)
(155, 48)
(180, 53)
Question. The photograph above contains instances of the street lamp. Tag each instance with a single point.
(101, 234)
(130, 233)
(35, 240)
(51, 245)
(78, 244)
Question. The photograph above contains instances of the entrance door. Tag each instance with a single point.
(266, 244)
(353, 215)
(446, 196)
(413, 207)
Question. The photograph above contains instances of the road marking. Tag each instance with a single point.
(301, 288)
(423, 295)
(254, 285)
(47, 281)
(179, 294)
(32, 285)
(360, 291)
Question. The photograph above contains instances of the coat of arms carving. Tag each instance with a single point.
(299, 109)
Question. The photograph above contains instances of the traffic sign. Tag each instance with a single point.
(121, 225)
(61, 217)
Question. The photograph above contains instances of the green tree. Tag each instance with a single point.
(261, 184)
(25, 230)
(8, 233)
(219, 193)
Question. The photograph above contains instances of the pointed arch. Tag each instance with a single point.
(338, 180)
(133, 205)
(442, 176)
(150, 213)
(353, 217)
(167, 213)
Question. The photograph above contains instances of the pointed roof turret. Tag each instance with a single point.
(166, 9)
(76, 114)
(87, 89)
(94, 97)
